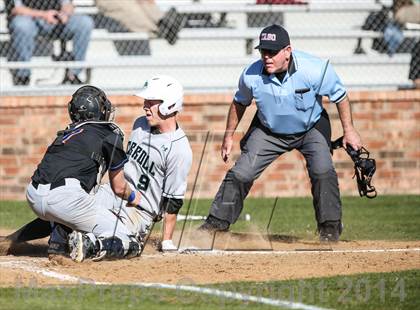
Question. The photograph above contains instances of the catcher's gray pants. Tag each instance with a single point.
(259, 149)
(101, 214)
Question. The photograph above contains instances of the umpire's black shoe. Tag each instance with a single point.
(330, 231)
(212, 224)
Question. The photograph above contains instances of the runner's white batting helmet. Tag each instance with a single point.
(165, 88)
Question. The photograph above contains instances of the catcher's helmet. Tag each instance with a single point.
(89, 103)
(165, 88)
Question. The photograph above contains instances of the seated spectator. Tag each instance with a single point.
(404, 11)
(50, 18)
(144, 16)
(408, 12)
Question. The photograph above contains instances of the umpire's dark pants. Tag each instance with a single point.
(259, 149)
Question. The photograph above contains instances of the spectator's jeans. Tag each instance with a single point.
(24, 29)
(393, 37)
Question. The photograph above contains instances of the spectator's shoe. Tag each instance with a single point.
(330, 231)
(212, 224)
(170, 25)
(81, 247)
(71, 79)
(21, 80)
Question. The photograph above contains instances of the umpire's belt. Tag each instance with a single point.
(56, 184)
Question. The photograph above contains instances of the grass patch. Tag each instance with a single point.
(113, 298)
(382, 218)
(14, 214)
(396, 290)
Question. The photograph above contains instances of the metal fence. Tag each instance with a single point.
(117, 44)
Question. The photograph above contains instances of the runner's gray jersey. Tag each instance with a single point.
(158, 164)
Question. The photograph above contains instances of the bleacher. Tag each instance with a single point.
(209, 57)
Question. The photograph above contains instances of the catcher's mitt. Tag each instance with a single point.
(364, 168)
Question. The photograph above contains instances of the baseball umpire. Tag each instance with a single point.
(287, 86)
(62, 186)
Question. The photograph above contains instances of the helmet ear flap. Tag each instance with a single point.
(105, 107)
(166, 110)
(108, 110)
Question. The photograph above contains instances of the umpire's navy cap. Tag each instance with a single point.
(274, 38)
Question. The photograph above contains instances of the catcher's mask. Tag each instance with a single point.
(89, 103)
(364, 168)
(164, 88)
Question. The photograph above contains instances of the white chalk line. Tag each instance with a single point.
(288, 252)
(42, 271)
(189, 288)
(233, 295)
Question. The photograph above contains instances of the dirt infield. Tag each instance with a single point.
(236, 257)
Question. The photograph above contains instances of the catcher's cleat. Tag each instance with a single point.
(81, 247)
(330, 231)
(212, 224)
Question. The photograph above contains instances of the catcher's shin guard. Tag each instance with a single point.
(133, 250)
(58, 242)
(115, 248)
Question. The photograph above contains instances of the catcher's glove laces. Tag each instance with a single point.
(364, 168)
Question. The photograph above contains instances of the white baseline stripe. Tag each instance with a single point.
(45, 272)
(201, 290)
(289, 252)
(232, 295)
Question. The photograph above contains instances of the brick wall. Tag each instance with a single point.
(389, 123)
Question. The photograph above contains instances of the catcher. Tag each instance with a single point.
(62, 186)
(159, 160)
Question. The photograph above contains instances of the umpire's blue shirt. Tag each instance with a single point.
(294, 104)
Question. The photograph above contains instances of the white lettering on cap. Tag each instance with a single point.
(268, 37)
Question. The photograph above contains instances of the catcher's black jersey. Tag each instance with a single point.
(79, 152)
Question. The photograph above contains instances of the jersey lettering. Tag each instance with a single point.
(130, 146)
(137, 152)
(141, 157)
